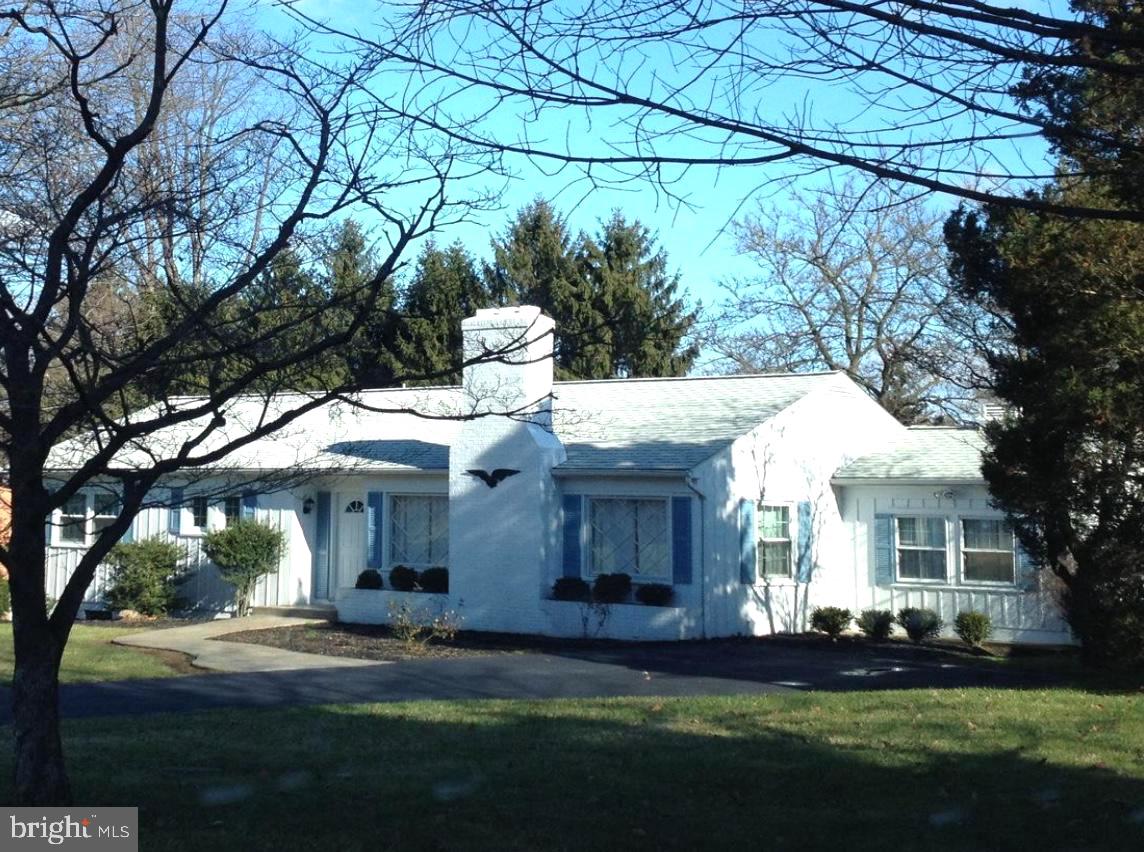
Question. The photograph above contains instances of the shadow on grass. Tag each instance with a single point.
(789, 772)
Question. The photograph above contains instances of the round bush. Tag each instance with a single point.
(612, 588)
(571, 589)
(973, 627)
(402, 578)
(655, 594)
(876, 624)
(143, 576)
(831, 620)
(243, 552)
(370, 578)
(919, 624)
(434, 580)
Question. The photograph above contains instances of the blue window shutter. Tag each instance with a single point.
(573, 518)
(883, 550)
(321, 590)
(681, 540)
(805, 559)
(374, 520)
(1026, 568)
(748, 542)
(249, 504)
(175, 511)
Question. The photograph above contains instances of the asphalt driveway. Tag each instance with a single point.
(717, 668)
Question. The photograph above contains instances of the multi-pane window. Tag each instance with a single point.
(73, 520)
(774, 541)
(419, 530)
(921, 548)
(85, 516)
(987, 551)
(630, 537)
(105, 509)
(232, 510)
(199, 507)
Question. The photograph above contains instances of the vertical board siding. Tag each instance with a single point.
(203, 589)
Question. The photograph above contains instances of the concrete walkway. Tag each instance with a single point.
(199, 642)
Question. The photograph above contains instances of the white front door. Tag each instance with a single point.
(350, 526)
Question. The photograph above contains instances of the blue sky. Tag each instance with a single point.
(696, 234)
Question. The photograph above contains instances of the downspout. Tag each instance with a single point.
(702, 556)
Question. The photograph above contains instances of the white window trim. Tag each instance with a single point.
(792, 537)
(961, 551)
(919, 581)
(55, 537)
(586, 537)
(387, 529)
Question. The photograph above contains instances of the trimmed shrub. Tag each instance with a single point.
(434, 580)
(831, 620)
(655, 594)
(243, 552)
(612, 588)
(876, 624)
(144, 576)
(5, 596)
(370, 578)
(402, 578)
(571, 589)
(919, 624)
(973, 627)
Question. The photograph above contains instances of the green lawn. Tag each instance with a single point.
(891, 771)
(90, 656)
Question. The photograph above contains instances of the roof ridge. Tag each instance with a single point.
(734, 376)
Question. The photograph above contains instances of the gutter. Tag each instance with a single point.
(906, 480)
(620, 473)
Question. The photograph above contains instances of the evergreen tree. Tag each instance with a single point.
(1066, 465)
(370, 356)
(613, 302)
(534, 263)
(445, 289)
(646, 323)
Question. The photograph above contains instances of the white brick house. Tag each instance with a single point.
(755, 497)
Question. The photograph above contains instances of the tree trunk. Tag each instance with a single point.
(41, 777)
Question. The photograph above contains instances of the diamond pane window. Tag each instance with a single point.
(419, 530)
(630, 537)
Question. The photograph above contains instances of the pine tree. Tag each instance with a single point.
(445, 289)
(614, 304)
(646, 324)
(1067, 464)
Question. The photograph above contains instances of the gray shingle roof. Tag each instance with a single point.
(667, 424)
(923, 453)
(639, 424)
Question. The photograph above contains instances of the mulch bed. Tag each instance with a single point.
(368, 642)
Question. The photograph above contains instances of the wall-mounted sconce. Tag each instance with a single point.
(307, 505)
